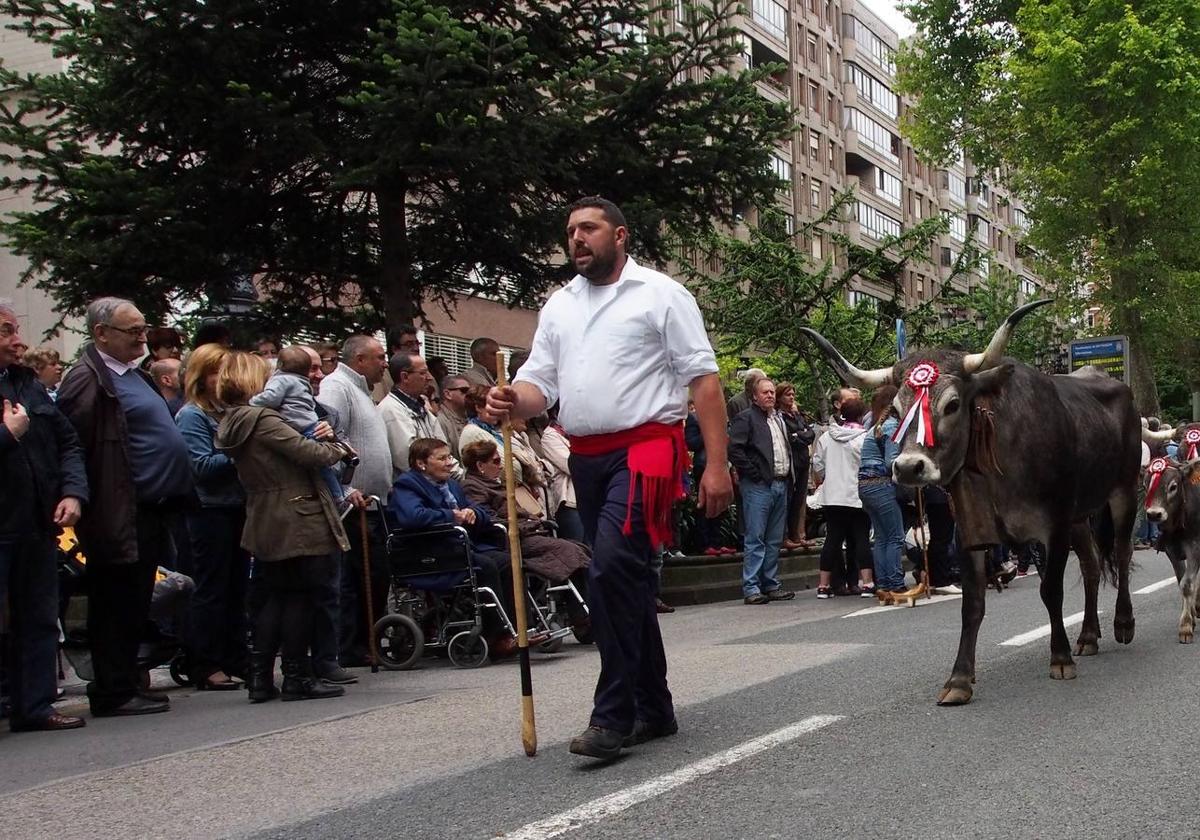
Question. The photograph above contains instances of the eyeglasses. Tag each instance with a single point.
(463, 388)
(132, 331)
(8, 330)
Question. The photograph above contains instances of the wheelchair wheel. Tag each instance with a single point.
(583, 634)
(398, 641)
(178, 674)
(554, 645)
(468, 649)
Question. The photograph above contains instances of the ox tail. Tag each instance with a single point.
(1105, 533)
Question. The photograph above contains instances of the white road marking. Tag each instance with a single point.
(615, 803)
(1043, 631)
(1154, 587)
(921, 602)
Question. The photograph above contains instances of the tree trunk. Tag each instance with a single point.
(1128, 321)
(400, 300)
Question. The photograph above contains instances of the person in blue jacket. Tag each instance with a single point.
(426, 496)
(878, 493)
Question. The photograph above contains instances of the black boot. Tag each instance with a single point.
(261, 678)
(300, 684)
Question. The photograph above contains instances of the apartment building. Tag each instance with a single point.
(839, 75)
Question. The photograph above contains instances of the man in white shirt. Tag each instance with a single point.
(760, 451)
(617, 348)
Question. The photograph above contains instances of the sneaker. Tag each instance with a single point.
(948, 589)
(597, 742)
(756, 599)
(339, 676)
(780, 595)
(824, 592)
(866, 590)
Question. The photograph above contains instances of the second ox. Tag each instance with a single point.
(1173, 501)
(1025, 457)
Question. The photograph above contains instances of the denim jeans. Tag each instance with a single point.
(29, 581)
(765, 508)
(879, 500)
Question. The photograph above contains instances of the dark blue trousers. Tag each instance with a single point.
(29, 581)
(221, 570)
(621, 587)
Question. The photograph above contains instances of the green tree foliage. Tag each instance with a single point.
(1093, 106)
(356, 157)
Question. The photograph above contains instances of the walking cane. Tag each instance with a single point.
(528, 727)
(370, 607)
(922, 541)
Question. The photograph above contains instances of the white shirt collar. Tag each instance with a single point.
(354, 376)
(630, 273)
(119, 368)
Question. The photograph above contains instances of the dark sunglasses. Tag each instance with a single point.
(463, 388)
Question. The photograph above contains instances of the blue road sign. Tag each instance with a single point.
(1110, 354)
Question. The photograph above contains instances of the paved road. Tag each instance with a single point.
(802, 719)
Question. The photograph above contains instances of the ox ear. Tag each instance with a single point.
(993, 380)
(1190, 472)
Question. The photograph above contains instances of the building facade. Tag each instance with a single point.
(840, 77)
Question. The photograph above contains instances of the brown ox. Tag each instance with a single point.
(1025, 457)
(1173, 501)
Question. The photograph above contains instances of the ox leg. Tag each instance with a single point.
(1187, 588)
(1087, 644)
(1123, 507)
(957, 689)
(1062, 667)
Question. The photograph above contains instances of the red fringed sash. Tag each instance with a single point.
(656, 461)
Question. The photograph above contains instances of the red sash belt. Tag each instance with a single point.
(656, 461)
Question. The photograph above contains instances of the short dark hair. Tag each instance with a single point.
(211, 332)
(158, 337)
(480, 346)
(853, 409)
(612, 213)
(421, 448)
(401, 362)
(398, 332)
(294, 359)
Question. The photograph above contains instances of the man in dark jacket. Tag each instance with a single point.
(140, 476)
(43, 489)
(760, 451)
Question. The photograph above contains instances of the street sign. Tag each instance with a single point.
(1110, 354)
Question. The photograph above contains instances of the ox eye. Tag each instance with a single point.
(951, 407)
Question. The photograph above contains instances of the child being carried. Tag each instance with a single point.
(289, 392)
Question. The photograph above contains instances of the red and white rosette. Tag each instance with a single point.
(1192, 438)
(921, 378)
(1156, 469)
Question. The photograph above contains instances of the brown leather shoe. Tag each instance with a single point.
(53, 722)
(661, 606)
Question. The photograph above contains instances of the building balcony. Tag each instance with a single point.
(773, 90)
(771, 18)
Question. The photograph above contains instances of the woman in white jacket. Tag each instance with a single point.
(835, 462)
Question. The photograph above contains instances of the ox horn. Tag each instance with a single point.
(989, 358)
(865, 379)
(1161, 436)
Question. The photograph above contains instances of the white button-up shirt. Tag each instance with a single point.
(779, 445)
(627, 363)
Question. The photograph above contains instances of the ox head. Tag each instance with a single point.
(1166, 483)
(938, 389)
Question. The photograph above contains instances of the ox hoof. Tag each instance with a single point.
(1062, 671)
(954, 695)
(1123, 630)
(1083, 648)
(1185, 637)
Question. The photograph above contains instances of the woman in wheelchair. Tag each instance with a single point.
(544, 554)
(426, 496)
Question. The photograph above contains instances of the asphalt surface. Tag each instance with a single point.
(795, 721)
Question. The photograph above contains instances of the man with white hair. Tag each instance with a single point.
(744, 400)
(44, 488)
(140, 477)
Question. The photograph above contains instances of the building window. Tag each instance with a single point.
(772, 17)
(783, 171)
(1090, 319)
(1020, 219)
(916, 206)
(828, 61)
(887, 186)
(947, 258)
(958, 226)
(856, 297)
(955, 184)
(812, 50)
(815, 195)
(814, 146)
(873, 90)
(814, 97)
(873, 134)
(832, 148)
(872, 45)
(816, 248)
(874, 223)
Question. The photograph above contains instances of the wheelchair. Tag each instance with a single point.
(437, 605)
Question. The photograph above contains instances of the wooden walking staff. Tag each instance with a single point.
(370, 607)
(528, 726)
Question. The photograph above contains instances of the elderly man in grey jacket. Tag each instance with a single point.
(347, 392)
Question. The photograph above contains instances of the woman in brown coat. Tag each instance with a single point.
(292, 527)
(544, 555)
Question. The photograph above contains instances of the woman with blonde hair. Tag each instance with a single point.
(292, 528)
(47, 367)
(218, 564)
